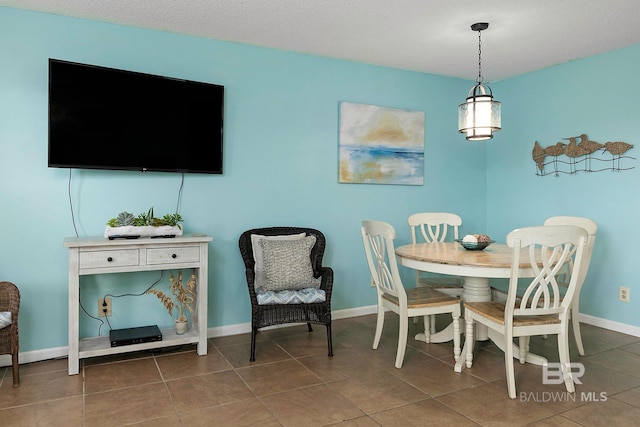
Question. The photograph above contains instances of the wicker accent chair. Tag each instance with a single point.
(275, 312)
(9, 341)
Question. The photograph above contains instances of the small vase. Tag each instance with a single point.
(181, 327)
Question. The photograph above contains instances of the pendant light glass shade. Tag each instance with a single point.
(479, 115)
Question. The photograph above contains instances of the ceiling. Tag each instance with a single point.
(432, 36)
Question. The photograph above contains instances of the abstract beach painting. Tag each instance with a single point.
(381, 145)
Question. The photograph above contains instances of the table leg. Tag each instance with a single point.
(74, 313)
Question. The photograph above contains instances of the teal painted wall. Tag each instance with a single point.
(597, 96)
(281, 146)
(281, 167)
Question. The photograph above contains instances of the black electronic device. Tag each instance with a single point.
(105, 118)
(138, 335)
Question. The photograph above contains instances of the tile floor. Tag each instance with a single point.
(294, 383)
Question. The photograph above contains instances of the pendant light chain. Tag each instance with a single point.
(479, 79)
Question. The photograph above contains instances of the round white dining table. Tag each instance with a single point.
(476, 267)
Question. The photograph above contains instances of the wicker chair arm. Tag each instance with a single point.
(250, 276)
(327, 279)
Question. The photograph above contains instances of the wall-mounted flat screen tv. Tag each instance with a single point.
(104, 118)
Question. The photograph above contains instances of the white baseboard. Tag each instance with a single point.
(243, 328)
(36, 355)
(354, 312)
(610, 325)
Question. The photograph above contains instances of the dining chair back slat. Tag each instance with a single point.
(436, 227)
(591, 227)
(547, 254)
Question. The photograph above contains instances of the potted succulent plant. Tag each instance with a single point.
(125, 225)
(183, 299)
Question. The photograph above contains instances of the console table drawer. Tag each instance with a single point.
(176, 255)
(114, 258)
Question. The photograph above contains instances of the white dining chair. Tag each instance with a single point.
(432, 227)
(378, 238)
(591, 227)
(541, 309)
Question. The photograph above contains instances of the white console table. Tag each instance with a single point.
(96, 255)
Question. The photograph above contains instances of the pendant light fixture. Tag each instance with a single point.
(479, 115)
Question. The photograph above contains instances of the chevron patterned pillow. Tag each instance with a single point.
(5, 319)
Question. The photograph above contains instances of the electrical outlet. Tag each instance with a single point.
(623, 294)
(104, 304)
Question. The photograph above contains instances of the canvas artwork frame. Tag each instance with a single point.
(380, 145)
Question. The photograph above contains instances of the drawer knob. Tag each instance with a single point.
(109, 259)
(174, 256)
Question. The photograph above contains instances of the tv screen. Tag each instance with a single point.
(104, 118)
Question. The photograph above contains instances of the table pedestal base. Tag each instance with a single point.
(475, 289)
(444, 335)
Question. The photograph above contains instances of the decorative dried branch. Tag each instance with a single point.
(183, 297)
